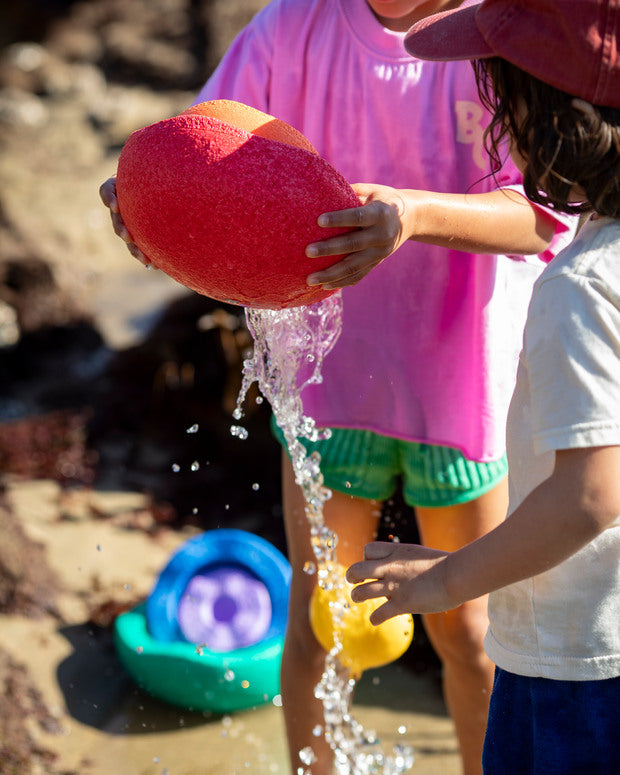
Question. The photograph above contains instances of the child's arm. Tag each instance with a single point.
(563, 514)
(501, 221)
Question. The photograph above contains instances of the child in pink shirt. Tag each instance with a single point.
(418, 383)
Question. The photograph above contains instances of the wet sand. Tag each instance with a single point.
(108, 724)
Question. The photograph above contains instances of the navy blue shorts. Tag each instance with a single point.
(542, 727)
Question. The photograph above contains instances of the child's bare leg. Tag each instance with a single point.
(355, 521)
(457, 635)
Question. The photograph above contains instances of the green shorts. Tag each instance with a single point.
(368, 465)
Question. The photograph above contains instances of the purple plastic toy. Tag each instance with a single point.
(224, 608)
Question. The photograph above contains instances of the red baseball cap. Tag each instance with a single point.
(569, 44)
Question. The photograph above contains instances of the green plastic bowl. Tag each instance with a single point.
(196, 678)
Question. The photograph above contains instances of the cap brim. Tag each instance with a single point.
(447, 36)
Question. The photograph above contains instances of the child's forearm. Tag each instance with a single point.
(559, 517)
(501, 221)
(563, 514)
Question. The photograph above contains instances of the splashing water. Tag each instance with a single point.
(289, 348)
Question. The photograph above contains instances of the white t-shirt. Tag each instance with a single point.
(564, 624)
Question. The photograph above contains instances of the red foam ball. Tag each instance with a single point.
(227, 212)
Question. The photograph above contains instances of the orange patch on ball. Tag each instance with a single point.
(254, 121)
(225, 198)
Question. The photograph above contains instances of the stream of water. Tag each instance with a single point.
(289, 349)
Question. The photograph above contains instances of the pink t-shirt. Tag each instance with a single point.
(430, 338)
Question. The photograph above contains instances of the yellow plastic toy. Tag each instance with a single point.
(364, 645)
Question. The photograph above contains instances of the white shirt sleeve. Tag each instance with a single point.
(572, 352)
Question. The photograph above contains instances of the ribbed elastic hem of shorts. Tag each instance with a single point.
(449, 478)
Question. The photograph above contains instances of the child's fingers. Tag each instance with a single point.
(357, 573)
(352, 218)
(370, 567)
(362, 217)
(107, 192)
(371, 591)
(349, 271)
(137, 253)
(384, 612)
(119, 227)
(121, 230)
(368, 591)
(350, 242)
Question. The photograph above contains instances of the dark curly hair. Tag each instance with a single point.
(567, 144)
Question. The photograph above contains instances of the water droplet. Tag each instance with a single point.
(239, 431)
(309, 568)
(139, 649)
(317, 731)
(256, 486)
(277, 701)
(229, 675)
(176, 468)
(195, 465)
(307, 755)
(193, 428)
(403, 757)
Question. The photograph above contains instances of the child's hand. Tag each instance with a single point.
(107, 192)
(379, 231)
(411, 577)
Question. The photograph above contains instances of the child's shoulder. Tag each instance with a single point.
(592, 258)
(597, 244)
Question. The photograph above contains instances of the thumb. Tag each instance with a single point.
(363, 190)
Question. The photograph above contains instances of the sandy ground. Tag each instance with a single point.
(108, 724)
